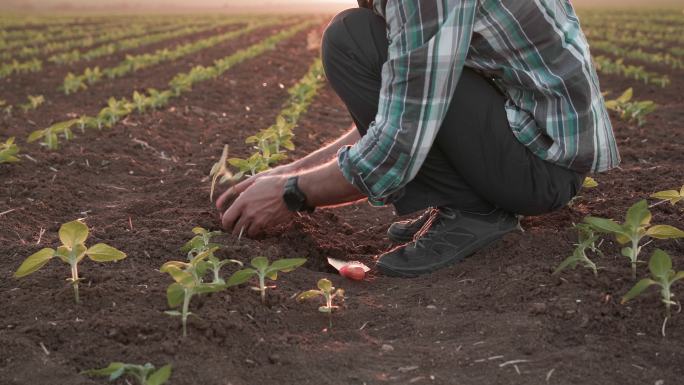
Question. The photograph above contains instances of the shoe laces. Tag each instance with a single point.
(435, 221)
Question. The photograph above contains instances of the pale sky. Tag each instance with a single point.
(38, 4)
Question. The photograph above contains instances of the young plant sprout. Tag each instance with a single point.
(662, 275)
(250, 166)
(637, 226)
(588, 183)
(144, 374)
(328, 292)
(201, 243)
(262, 269)
(8, 151)
(33, 103)
(672, 196)
(188, 282)
(72, 251)
(587, 241)
(631, 110)
(51, 134)
(220, 174)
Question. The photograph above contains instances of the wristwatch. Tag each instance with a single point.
(294, 198)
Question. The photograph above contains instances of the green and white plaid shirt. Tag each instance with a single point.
(537, 55)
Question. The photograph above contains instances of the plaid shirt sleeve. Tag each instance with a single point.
(429, 43)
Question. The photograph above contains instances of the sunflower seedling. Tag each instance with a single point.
(220, 174)
(631, 110)
(253, 165)
(51, 134)
(672, 196)
(9, 151)
(328, 292)
(637, 226)
(201, 243)
(72, 251)
(588, 183)
(33, 103)
(188, 282)
(262, 269)
(662, 275)
(587, 241)
(144, 374)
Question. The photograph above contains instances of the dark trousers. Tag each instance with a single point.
(476, 163)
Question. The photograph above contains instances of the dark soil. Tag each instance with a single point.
(499, 317)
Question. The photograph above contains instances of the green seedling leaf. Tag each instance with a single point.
(112, 368)
(660, 264)
(664, 232)
(8, 151)
(160, 376)
(638, 214)
(240, 277)
(260, 263)
(672, 196)
(638, 289)
(174, 294)
(309, 294)
(34, 262)
(604, 225)
(73, 233)
(104, 253)
(325, 285)
(589, 182)
(286, 265)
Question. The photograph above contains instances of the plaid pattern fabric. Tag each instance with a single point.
(534, 51)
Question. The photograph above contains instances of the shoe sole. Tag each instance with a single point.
(475, 247)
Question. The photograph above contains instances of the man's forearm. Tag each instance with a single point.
(326, 186)
(325, 154)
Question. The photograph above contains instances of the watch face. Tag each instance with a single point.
(291, 201)
(294, 199)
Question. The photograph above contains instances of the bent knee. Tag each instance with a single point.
(343, 29)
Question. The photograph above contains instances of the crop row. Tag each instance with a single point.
(270, 143)
(658, 39)
(35, 65)
(638, 54)
(150, 37)
(154, 99)
(32, 37)
(104, 35)
(618, 67)
(631, 40)
(75, 83)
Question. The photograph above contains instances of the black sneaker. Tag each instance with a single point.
(448, 237)
(404, 231)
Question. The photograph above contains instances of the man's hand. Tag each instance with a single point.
(259, 206)
(234, 191)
